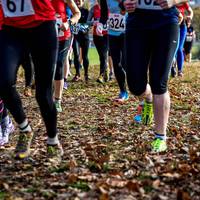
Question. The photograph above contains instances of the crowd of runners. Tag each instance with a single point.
(137, 40)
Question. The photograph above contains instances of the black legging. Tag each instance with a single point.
(42, 43)
(28, 68)
(63, 49)
(116, 47)
(147, 53)
(101, 44)
(83, 42)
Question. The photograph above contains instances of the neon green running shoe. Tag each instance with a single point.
(158, 145)
(100, 79)
(147, 113)
(106, 75)
(58, 106)
(22, 149)
(54, 153)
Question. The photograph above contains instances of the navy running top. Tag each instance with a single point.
(149, 14)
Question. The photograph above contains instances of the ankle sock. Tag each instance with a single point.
(160, 136)
(25, 127)
(53, 141)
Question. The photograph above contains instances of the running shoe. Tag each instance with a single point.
(173, 72)
(87, 78)
(123, 96)
(22, 149)
(54, 153)
(66, 85)
(106, 75)
(147, 113)
(180, 73)
(158, 145)
(138, 117)
(100, 78)
(27, 92)
(76, 78)
(7, 129)
(110, 76)
(58, 106)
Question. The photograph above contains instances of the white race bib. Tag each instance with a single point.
(189, 38)
(17, 8)
(105, 26)
(75, 28)
(59, 23)
(117, 22)
(148, 4)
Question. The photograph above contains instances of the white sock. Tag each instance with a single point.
(53, 141)
(25, 127)
(160, 136)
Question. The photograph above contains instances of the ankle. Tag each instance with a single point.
(25, 127)
(160, 136)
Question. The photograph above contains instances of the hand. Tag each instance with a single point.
(189, 19)
(99, 29)
(130, 5)
(65, 26)
(165, 4)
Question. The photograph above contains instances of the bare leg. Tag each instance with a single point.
(161, 104)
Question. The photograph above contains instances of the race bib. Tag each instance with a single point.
(59, 23)
(105, 26)
(75, 28)
(148, 4)
(17, 8)
(189, 38)
(116, 22)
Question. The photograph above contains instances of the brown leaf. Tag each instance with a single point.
(72, 178)
(133, 186)
(116, 182)
(156, 184)
(104, 196)
(72, 164)
(181, 195)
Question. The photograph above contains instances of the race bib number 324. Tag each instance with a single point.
(17, 8)
(116, 22)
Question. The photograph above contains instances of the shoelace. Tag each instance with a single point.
(22, 142)
(51, 150)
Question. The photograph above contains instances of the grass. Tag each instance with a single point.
(93, 56)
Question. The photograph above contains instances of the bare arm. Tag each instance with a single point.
(75, 11)
(190, 14)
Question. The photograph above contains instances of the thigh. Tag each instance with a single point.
(162, 56)
(11, 50)
(138, 48)
(44, 47)
(84, 44)
(114, 48)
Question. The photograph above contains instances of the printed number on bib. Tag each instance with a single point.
(148, 4)
(116, 22)
(189, 38)
(17, 8)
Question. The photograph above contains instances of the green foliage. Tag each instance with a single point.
(196, 22)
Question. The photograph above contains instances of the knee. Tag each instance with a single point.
(136, 88)
(158, 88)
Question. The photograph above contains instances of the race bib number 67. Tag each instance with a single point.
(17, 8)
